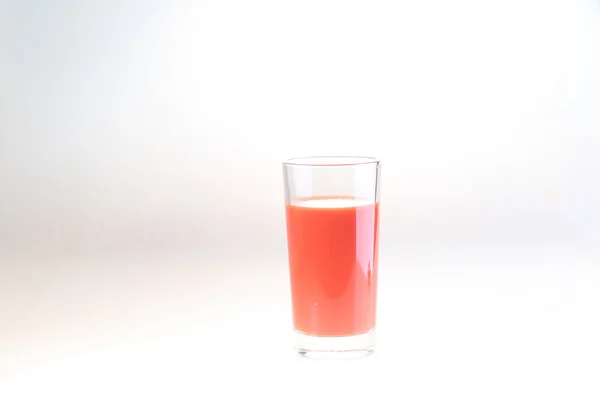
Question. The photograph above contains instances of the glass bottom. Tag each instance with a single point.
(335, 347)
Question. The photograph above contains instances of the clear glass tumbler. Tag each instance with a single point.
(332, 216)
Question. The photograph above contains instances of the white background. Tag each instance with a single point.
(142, 244)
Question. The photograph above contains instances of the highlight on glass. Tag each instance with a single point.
(332, 218)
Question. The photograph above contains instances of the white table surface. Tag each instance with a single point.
(512, 323)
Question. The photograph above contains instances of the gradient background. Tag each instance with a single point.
(142, 241)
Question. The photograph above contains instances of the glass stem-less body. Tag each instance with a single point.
(332, 214)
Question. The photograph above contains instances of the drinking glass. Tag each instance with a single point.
(332, 219)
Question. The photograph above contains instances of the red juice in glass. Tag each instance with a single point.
(332, 239)
(332, 245)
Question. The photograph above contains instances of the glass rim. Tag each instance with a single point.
(330, 161)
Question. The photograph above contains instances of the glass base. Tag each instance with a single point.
(335, 347)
